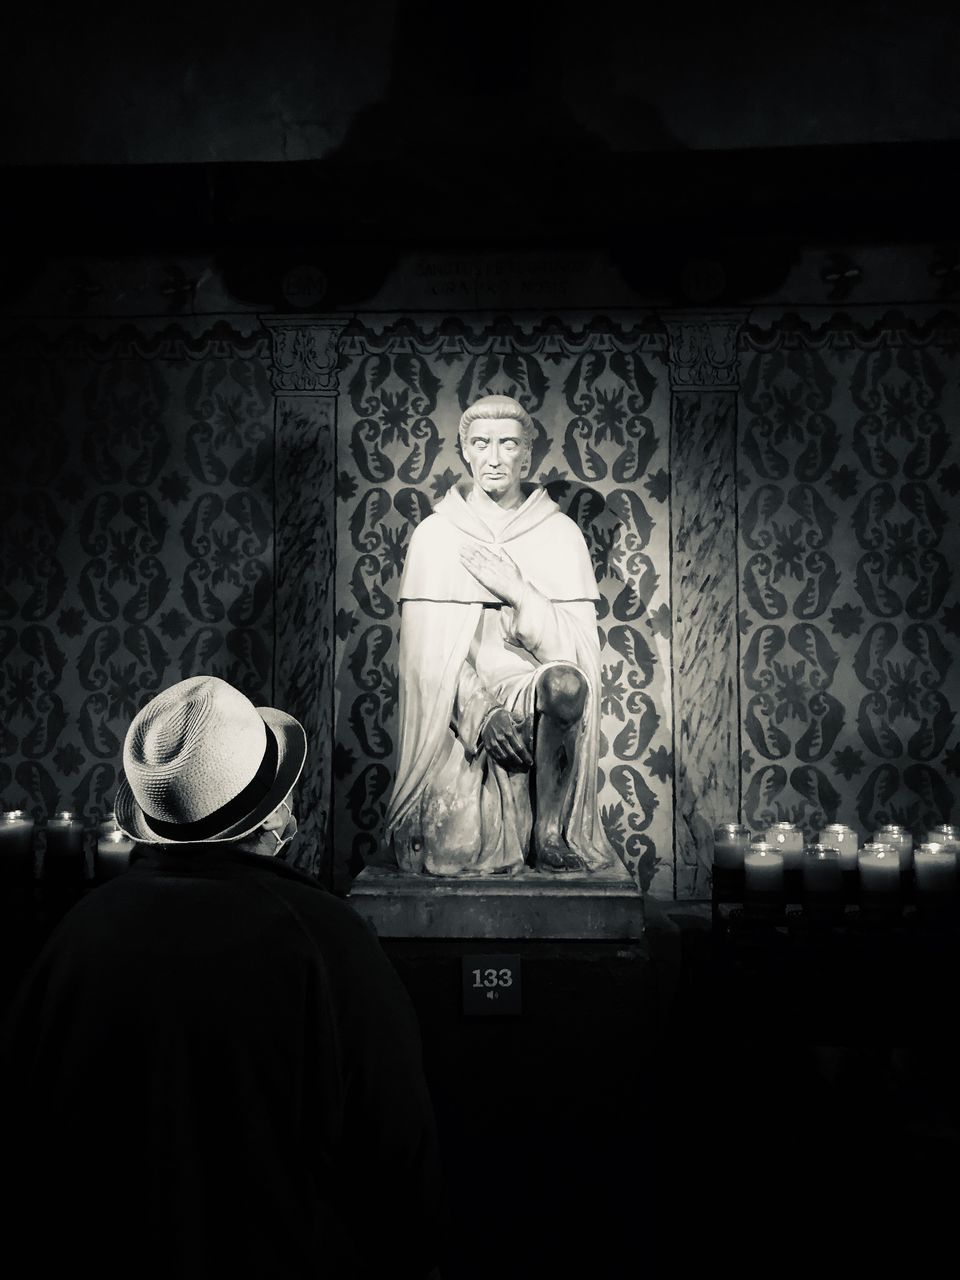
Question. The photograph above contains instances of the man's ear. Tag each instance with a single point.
(274, 820)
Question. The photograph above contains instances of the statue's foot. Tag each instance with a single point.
(554, 855)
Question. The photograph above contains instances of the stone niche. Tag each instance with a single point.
(609, 397)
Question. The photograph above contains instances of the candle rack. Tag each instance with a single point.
(734, 907)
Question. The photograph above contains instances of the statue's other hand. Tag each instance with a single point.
(495, 571)
(503, 740)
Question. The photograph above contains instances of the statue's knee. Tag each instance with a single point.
(562, 693)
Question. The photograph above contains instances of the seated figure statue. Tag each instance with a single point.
(499, 674)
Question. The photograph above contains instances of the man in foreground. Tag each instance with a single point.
(213, 1069)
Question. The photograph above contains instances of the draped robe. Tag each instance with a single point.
(454, 809)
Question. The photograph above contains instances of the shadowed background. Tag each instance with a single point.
(253, 265)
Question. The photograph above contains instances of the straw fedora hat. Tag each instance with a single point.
(201, 763)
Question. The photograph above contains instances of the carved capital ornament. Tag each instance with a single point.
(703, 349)
(305, 354)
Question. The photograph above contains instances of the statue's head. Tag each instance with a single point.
(496, 434)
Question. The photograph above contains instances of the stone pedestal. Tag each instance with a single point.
(533, 904)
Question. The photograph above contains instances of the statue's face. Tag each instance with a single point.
(495, 453)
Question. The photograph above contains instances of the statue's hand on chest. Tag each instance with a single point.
(495, 570)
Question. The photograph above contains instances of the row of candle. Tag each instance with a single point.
(764, 862)
(59, 848)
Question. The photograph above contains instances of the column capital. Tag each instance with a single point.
(702, 348)
(305, 352)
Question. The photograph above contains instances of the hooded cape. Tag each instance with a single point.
(453, 809)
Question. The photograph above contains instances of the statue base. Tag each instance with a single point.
(532, 904)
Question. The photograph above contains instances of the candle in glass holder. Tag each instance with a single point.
(946, 835)
(113, 852)
(730, 842)
(845, 840)
(879, 867)
(788, 839)
(900, 838)
(63, 857)
(16, 845)
(821, 870)
(763, 870)
(935, 868)
(108, 825)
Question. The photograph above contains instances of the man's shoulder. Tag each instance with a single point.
(310, 898)
(144, 890)
(346, 942)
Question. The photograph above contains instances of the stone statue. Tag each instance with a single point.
(499, 674)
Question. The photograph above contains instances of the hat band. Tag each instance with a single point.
(235, 810)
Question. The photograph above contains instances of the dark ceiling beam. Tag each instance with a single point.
(882, 192)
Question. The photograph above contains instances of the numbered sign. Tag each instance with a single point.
(491, 984)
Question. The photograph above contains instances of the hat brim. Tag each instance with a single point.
(291, 755)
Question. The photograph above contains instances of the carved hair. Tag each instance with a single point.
(498, 407)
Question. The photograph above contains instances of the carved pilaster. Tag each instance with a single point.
(304, 372)
(703, 423)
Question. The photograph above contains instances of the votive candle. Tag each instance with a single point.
(935, 868)
(900, 838)
(845, 840)
(113, 853)
(730, 841)
(879, 866)
(763, 870)
(63, 860)
(64, 835)
(821, 870)
(788, 839)
(946, 835)
(16, 845)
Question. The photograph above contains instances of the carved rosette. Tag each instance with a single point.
(304, 371)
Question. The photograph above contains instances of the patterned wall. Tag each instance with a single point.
(598, 395)
(139, 546)
(137, 541)
(849, 471)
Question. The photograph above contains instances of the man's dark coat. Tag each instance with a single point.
(213, 1069)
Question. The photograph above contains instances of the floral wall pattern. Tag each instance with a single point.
(138, 541)
(598, 395)
(849, 471)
